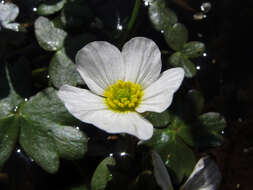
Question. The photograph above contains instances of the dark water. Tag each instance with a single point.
(224, 76)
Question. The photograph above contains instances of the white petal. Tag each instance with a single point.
(142, 58)
(91, 108)
(80, 101)
(100, 64)
(158, 96)
(114, 122)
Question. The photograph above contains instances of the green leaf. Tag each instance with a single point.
(196, 101)
(46, 134)
(102, 174)
(206, 175)
(51, 7)
(49, 37)
(160, 16)
(8, 13)
(9, 129)
(213, 121)
(180, 60)
(205, 132)
(193, 49)
(63, 71)
(160, 172)
(173, 152)
(176, 36)
(158, 120)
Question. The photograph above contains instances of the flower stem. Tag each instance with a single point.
(131, 22)
(134, 15)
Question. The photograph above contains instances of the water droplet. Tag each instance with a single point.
(18, 150)
(198, 67)
(15, 109)
(48, 76)
(77, 128)
(206, 7)
(204, 54)
(199, 16)
(222, 132)
(34, 9)
(162, 31)
(119, 27)
(31, 160)
(123, 154)
(26, 99)
(2, 1)
(111, 154)
(147, 2)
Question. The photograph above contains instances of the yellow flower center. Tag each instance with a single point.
(123, 96)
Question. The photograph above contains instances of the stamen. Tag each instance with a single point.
(123, 96)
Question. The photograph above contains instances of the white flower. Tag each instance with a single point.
(122, 85)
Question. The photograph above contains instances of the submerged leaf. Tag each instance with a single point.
(176, 36)
(205, 132)
(102, 174)
(49, 37)
(193, 49)
(173, 152)
(180, 60)
(161, 16)
(51, 7)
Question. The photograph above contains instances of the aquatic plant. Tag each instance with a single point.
(52, 52)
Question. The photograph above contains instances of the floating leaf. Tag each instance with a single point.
(44, 123)
(51, 7)
(161, 16)
(176, 36)
(46, 134)
(49, 37)
(158, 119)
(206, 175)
(8, 13)
(160, 172)
(180, 60)
(193, 49)
(102, 174)
(173, 152)
(63, 71)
